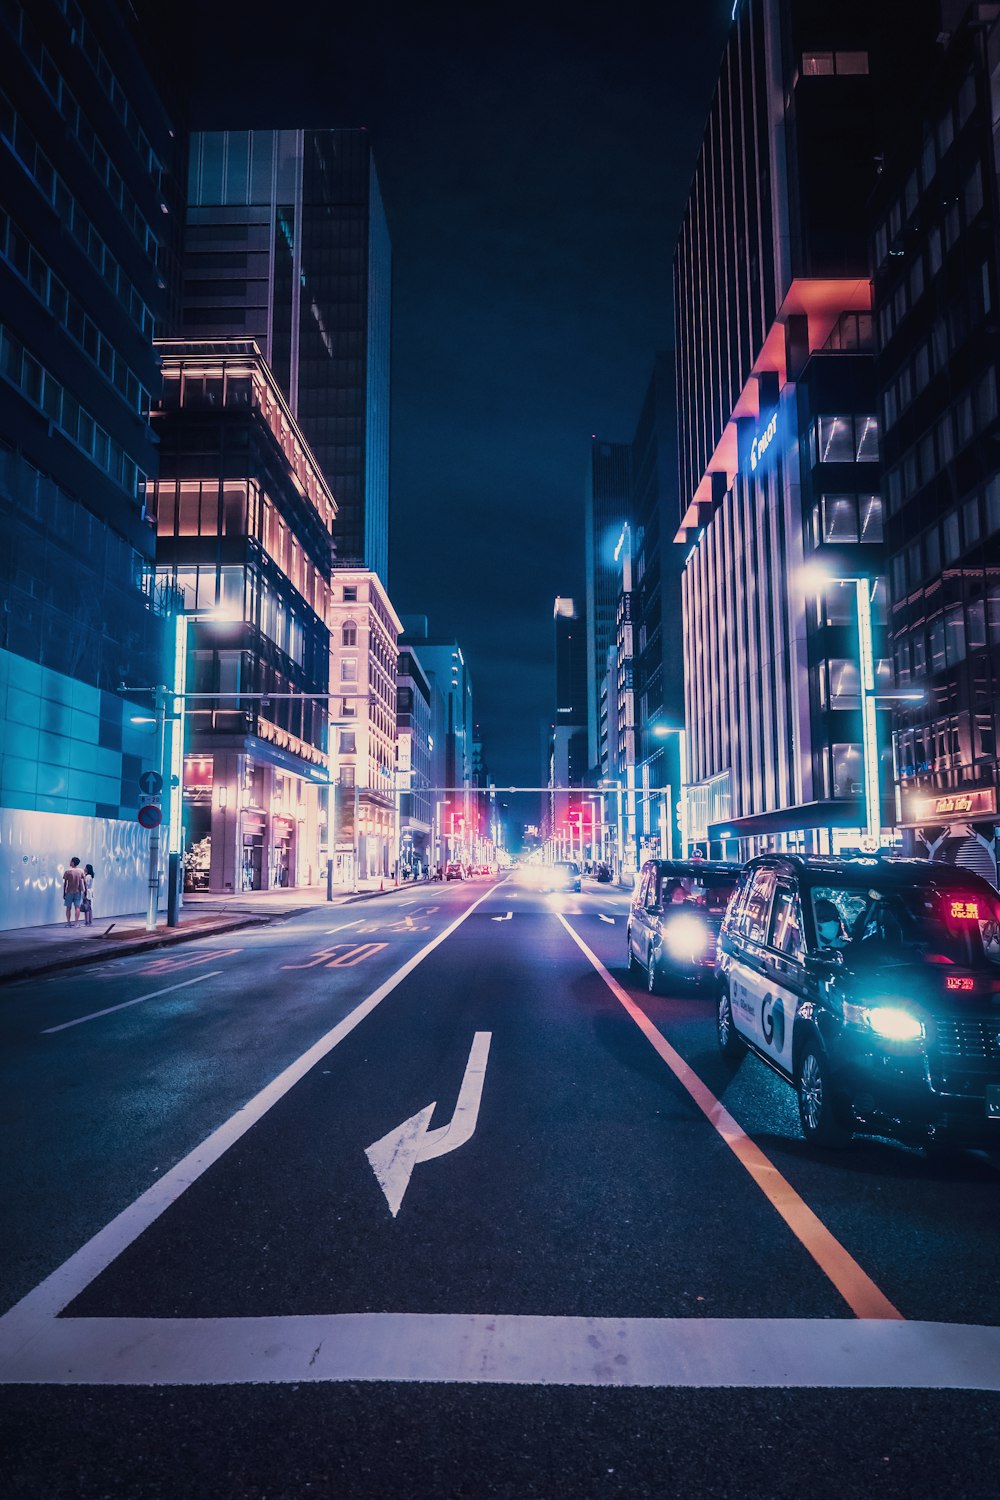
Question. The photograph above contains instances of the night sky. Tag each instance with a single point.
(534, 162)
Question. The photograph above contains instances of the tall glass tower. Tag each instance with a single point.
(287, 244)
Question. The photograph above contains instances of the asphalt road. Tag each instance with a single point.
(423, 1197)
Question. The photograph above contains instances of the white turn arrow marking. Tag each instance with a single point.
(606, 919)
(502, 919)
(394, 1156)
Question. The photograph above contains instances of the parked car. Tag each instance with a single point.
(675, 916)
(454, 871)
(873, 986)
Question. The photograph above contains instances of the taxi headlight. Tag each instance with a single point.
(891, 1022)
(685, 937)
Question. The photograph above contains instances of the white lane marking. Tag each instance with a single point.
(487, 1349)
(154, 995)
(507, 918)
(603, 918)
(29, 1317)
(344, 926)
(396, 1153)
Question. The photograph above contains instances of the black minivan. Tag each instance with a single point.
(872, 985)
(674, 919)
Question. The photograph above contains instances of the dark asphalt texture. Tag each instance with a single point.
(592, 1185)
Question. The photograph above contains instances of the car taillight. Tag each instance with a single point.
(959, 982)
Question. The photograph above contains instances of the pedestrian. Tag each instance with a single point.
(74, 884)
(87, 904)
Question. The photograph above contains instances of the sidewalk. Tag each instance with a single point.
(42, 950)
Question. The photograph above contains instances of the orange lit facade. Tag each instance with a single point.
(778, 437)
(244, 540)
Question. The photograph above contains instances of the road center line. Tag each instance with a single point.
(27, 1319)
(856, 1287)
(154, 995)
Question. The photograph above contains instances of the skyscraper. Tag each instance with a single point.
(86, 159)
(606, 511)
(287, 244)
(778, 434)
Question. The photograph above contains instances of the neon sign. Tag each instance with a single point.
(763, 440)
(965, 911)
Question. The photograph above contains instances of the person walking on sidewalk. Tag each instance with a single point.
(87, 904)
(74, 885)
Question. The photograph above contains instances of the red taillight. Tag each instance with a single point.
(959, 982)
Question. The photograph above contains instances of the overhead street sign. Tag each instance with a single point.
(150, 816)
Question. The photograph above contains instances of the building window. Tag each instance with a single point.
(349, 669)
(348, 744)
(817, 64)
(870, 511)
(846, 762)
(350, 593)
(846, 439)
(349, 634)
(347, 775)
(851, 64)
(840, 518)
(835, 440)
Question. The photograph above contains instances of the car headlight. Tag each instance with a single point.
(685, 937)
(891, 1022)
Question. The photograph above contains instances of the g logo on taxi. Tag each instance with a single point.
(772, 1022)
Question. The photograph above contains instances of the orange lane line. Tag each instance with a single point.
(856, 1287)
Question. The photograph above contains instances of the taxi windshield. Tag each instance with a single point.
(922, 924)
(706, 891)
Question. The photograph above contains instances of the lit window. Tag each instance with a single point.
(817, 64)
(866, 439)
(870, 508)
(849, 63)
(835, 440)
(840, 518)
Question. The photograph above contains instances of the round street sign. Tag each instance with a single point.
(151, 782)
(150, 816)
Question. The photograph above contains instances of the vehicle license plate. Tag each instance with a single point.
(993, 1101)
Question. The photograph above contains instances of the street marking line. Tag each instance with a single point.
(30, 1317)
(344, 926)
(856, 1287)
(155, 995)
(490, 1349)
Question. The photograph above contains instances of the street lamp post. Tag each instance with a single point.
(662, 731)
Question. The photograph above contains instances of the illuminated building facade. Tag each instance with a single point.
(606, 510)
(364, 659)
(87, 163)
(658, 641)
(937, 293)
(414, 759)
(778, 432)
(286, 243)
(568, 760)
(244, 522)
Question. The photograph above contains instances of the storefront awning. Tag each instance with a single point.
(834, 812)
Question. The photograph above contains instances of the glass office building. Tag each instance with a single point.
(606, 509)
(87, 160)
(287, 243)
(935, 253)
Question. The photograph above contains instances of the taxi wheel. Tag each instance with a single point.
(730, 1043)
(653, 973)
(817, 1110)
(630, 959)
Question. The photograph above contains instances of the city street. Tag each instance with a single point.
(423, 1196)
